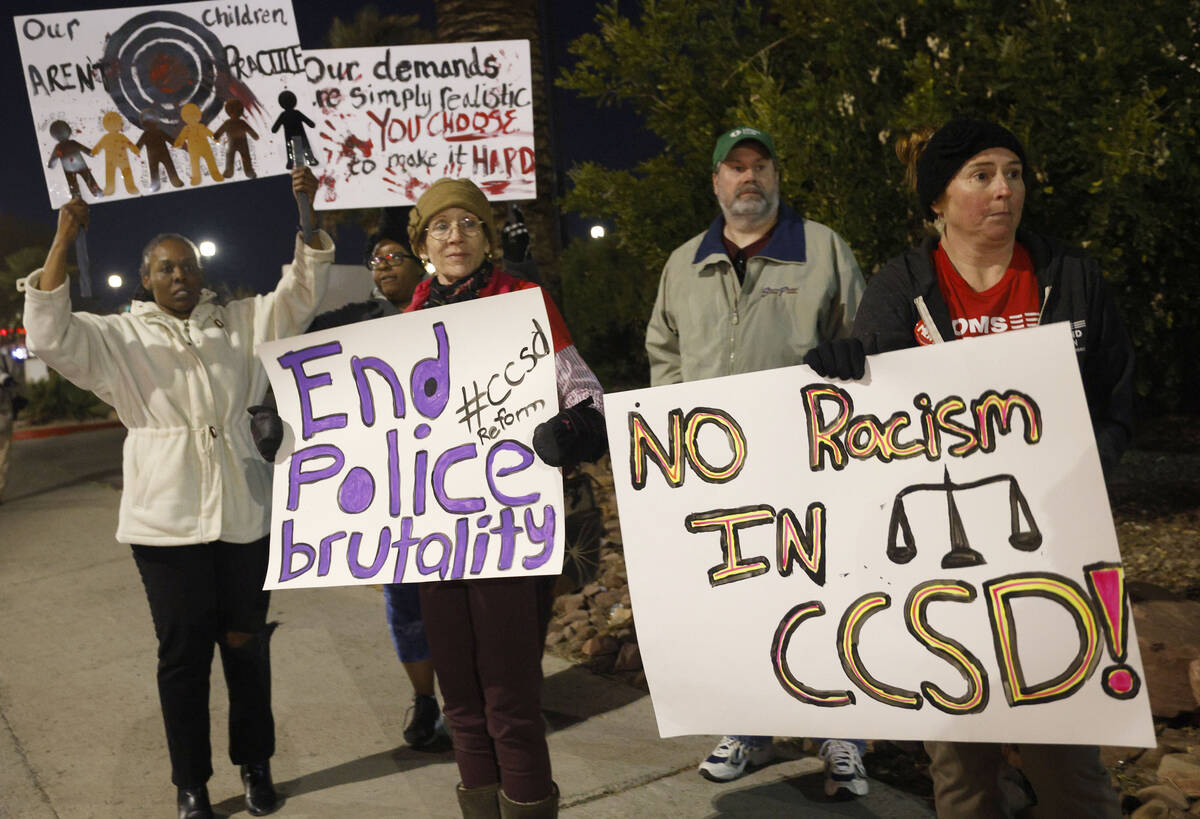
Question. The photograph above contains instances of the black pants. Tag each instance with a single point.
(198, 594)
(486, 637)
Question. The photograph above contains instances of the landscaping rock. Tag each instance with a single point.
(1194, 678)
(1182, 771)
(1169, 638)
(601, 644)
(1169, 794)
(629, 658)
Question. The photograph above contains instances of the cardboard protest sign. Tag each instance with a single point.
(407, 455)
(138, 101)
(394, 119)
(924, 554)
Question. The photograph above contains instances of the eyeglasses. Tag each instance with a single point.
(388, 260)
(467, 226)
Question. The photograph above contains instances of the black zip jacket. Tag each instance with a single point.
(1071, 289)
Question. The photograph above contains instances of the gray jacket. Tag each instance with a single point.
(803, 288)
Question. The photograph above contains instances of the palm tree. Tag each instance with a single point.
(460, 21)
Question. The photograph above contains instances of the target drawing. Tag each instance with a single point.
(161, 61)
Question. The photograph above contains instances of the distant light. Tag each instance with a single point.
(597, 231)
(115, 281)
(20, 353)
(208, 248)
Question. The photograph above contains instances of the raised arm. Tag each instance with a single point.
(304, 189)
(71, 217)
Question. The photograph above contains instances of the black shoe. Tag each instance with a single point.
(193, 803)
(424, 726)
(261, 797)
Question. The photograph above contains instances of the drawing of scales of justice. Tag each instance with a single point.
(1024, 534)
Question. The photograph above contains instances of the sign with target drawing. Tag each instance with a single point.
(138, 101)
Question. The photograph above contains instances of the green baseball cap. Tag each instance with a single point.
(742, 133)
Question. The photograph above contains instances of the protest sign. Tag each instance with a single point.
(138, 101)
(927, 553)
(394, 119)
(407, 453)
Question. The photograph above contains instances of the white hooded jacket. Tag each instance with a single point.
(181, 387)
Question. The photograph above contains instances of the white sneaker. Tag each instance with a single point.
(732, 758)
(843, 767)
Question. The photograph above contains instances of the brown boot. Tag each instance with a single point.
(479, 803)
(542, 809)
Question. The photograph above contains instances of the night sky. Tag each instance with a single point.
(253, 222)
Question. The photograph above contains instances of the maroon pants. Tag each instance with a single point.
(486, 639)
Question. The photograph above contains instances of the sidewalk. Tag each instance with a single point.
(81, 734)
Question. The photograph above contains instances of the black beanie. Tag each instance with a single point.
(950, 148)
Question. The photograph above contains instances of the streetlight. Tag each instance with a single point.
(115, 281)
(597, 231)
(208, 248)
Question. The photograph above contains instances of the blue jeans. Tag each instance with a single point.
(403, 606)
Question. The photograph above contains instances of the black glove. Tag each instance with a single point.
(575, 434)
(515, 238)
(842, 358)
(266, 428)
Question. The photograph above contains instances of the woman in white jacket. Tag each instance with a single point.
(180, 371)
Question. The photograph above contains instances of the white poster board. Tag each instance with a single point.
(927, 553)
(393, 119)
(129, 102)
(407, 456)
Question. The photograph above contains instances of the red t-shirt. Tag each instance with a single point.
(1010, 304)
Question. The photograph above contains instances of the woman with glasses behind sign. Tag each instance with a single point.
(487, 635)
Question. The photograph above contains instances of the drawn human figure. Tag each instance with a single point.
(116, 147)
(70, 153)
(158, 149)
(196, 136)
(293, 122)
(236, 129)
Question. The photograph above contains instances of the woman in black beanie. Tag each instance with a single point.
(982, 273)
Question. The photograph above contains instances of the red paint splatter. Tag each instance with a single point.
(414, 185)
(352, 143)
(168, 73)
(329, 184)
(495, 187)
(230, 87)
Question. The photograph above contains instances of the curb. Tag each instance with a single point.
(65, 429)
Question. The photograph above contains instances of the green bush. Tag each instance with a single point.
(1104, 96)
(55, 398)
(607, 297)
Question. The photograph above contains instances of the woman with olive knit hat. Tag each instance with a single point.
(486, 636)
(983, 273)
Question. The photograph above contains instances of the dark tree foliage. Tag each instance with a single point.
(1103, 95)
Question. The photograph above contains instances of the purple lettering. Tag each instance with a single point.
(526, 459)
(447, 459)
(540, 534)
(305, 383)
(297, 476)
